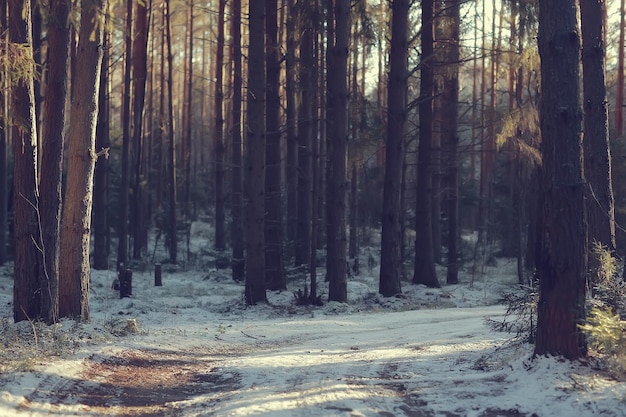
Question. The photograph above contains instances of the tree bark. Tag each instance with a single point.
(619, 97)
(600, 202)
(140, 73)
(424, 269)
(450, 137)
(28, 260)
(4, 139)
(255, 161)
(274, 271)
(122, 247)
(76, 225)
(56, 88)
(220, 209)
(562, 266)
(391, 238)
(101, 174)
(171, 166)
(236, 228)
(337, 99)
(291, 169)
(305, 135)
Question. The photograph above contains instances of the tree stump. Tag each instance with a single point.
(157, 275)
(126, 283)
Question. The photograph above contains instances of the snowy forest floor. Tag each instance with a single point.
(192, 348)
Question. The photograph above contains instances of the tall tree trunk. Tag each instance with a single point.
(274, 270)
(391, 237)
(601, 206)
(171, 166)
(4, 139)
(56, 87)
(255, 161)
(619, 97)
(28, 260)
(122, 248)
(305, 135)
(140, 73)
(353, 244)
(424, 269)
(291, 171)
(450, 137)
(220, 210)
(101, 174)
(337, 99)
(187, 117)
(237, 215)
(76, 226)
(562, 267)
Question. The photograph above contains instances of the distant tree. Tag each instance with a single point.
(305, 134)
(562, 267)
(291, 127)
(124, 199)
(390, 256)
(255, 161)
(171, 151)
(28, 260)
(237, 215)
(220, 207)
(424, 269)
(337, 128)
(274, 269)
(600, 202)
(186, 137)
(76, 225)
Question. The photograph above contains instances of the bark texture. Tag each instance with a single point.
(76, 226)
(255, 161)
(391, 238)
(28, 260)
(562, 265)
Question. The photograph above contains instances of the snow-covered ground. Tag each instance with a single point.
(192, 348)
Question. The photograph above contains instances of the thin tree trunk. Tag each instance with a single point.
(236, 227)
(450, 138)
(274, 272)
(391, 238)
(187, 116)
(4, 139)
(122, 248)
(353, 244)
(76, 230)
(424, 269)
(619, 98)
(305, 136)
(255, 161)
(291, 124)
(171, 169)
(140, 72)
(220, 211)
(101, 175)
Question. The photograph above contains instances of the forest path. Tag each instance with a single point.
(353, 366)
